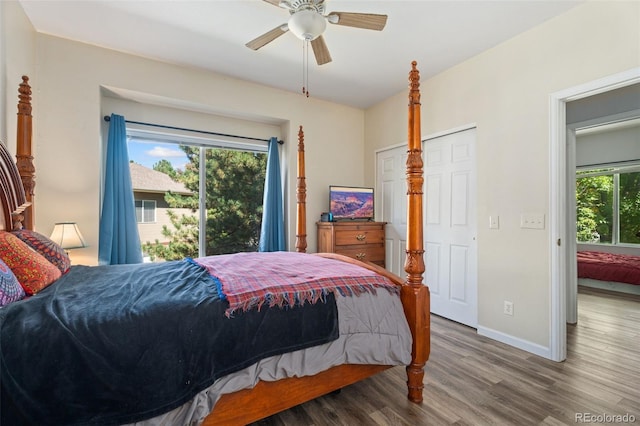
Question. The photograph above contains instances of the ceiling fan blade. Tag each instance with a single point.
(273, 2)
(320, 50)
(267, 37)
(368, 21)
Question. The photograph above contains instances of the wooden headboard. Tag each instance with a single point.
(24, 159)
(13, 199)
(17, 180)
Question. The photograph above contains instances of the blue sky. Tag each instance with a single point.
(148, 153)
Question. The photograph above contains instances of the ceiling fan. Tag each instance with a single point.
(308, 21)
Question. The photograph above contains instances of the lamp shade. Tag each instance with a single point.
(68, 235)
(307, 24)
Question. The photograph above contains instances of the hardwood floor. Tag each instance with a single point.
(473, 380)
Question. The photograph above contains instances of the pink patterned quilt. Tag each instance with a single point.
(609, 267)
(249, 280)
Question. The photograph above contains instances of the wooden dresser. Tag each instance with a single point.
(360, 240)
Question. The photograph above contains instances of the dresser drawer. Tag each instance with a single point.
(358, 240)
(350, 237)
(370, 253)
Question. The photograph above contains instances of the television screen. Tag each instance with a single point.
(347, 202)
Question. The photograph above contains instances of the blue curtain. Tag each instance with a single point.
(272, 232)
(119, 239)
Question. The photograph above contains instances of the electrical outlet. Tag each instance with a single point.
(508, 307)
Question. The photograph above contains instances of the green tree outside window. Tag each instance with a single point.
(596, 208)
(234, 186)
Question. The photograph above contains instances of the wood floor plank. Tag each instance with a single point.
(387, 417)
(473, 380)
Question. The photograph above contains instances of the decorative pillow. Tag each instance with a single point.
(47, 248)
(10, 289)
(33, 271)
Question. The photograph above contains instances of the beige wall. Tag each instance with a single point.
(505, 92)
(172, 112)
(70, 83)
(17, 58)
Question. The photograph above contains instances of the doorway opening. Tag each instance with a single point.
(560, 133)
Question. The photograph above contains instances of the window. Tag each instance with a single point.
(218, 210)
(145, 211)
(629, 193)
(608, 205)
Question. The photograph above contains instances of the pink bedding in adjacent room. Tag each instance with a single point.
(609, 267)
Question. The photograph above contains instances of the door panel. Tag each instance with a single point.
(458, 273)
(450, 216)
(392, 191)
(432, 268)
(450, 225)
(434, 188)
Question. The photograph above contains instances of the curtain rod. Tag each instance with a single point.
(108, 118)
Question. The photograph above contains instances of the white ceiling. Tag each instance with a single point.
(368, 66)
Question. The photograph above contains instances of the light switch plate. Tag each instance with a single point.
(494, 222)
(532, 220)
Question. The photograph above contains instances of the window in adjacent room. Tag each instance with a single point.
(608, 205)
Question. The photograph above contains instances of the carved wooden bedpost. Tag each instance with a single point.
(415, 294)
(24, 159)
(301, 221)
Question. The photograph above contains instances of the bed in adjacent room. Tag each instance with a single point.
(609, 271)
(226, 339)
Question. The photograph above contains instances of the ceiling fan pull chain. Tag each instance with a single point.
(305, 67)
(304, 82)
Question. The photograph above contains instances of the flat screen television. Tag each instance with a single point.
(349, 202)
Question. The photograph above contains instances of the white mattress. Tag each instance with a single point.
(373, 330)
(610, 285)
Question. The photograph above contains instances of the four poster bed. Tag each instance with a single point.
(336, 352)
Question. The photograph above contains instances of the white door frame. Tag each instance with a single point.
(558, 199)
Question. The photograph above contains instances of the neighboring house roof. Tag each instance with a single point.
(144, 179)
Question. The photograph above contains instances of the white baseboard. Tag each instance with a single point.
(525, 345)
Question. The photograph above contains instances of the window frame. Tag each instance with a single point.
(176, 138)
(615, 171)
(143, 210)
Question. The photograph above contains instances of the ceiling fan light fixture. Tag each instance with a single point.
(307, 24)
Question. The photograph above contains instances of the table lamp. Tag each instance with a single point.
(67, 235)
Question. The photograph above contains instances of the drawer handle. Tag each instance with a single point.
(360, 256)
(361, 237)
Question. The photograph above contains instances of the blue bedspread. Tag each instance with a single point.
(117, 344)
